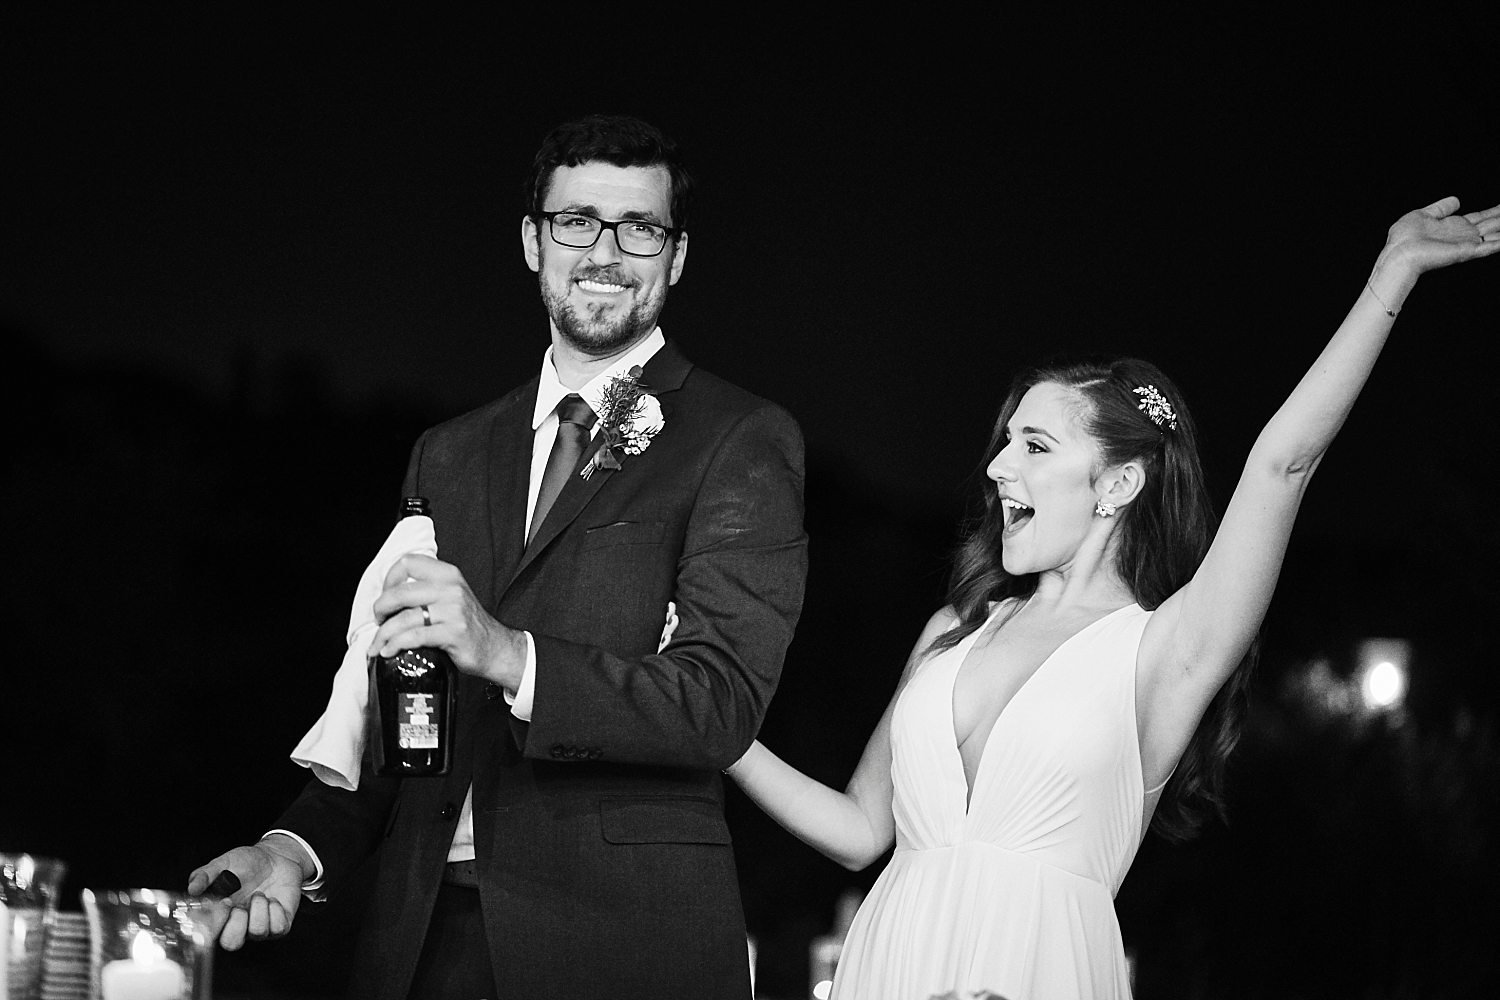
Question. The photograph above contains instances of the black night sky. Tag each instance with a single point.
(250, 254)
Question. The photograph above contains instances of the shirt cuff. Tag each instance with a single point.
(521, 700)
(316, 883)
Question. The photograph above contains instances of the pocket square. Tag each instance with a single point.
(669, 627)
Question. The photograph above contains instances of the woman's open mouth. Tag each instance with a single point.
(1017, 515)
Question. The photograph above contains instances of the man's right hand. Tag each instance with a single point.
(271, 876)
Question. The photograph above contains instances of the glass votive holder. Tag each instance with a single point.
(149, 944)
(28, 903)
(65, 959)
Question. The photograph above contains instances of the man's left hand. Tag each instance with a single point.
(426, 602)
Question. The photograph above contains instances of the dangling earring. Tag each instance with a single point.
(1104, 509)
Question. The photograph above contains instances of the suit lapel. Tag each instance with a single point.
(662, 374)
(511, 437)
(665, 372)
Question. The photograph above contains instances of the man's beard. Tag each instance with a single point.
(591, 332)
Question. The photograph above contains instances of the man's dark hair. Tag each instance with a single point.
(620, 140)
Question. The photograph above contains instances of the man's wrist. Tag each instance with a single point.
(508, 668)
(522, 697)
(290, 848)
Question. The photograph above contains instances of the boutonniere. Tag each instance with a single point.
(631, 416)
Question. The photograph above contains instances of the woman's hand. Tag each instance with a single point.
(1438, 235)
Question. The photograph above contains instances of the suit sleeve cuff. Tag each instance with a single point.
(521, 701)
(315, 884)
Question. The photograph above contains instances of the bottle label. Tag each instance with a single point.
(418, 719)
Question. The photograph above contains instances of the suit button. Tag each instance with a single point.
(447, 811)
(493, 691)
(595, 753)
(559, 751)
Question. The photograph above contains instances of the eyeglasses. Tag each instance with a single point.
(634, 237)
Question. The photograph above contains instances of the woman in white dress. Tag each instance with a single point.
(1087, 675)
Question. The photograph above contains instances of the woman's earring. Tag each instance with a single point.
(1104, 509)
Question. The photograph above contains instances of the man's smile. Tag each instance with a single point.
(595, 286)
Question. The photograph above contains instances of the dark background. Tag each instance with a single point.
(250, 255)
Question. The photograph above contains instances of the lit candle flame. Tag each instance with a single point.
(144, 949)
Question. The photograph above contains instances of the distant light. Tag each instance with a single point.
(1320, 691)
(1383, 678)
(1383, 686)
(822, 990)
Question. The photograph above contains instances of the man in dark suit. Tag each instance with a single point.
(619, 625)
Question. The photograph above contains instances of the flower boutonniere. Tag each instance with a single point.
(631, 417)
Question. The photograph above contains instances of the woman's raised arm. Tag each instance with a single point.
(1200, 633)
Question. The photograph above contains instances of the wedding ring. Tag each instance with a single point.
(426, 616)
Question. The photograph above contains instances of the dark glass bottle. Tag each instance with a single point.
(411, 703)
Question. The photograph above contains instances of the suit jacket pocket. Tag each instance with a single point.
(624, 532)
(665, 820)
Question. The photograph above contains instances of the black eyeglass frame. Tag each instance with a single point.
(611, 225)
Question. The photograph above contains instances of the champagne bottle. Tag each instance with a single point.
(411, 702)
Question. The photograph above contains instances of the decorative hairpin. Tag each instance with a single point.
(1156, 406)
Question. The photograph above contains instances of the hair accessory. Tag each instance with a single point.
(1104, 509)
(1156, 406)
(1388, 311)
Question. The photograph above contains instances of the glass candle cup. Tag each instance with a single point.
(149, 944)
(28, 903)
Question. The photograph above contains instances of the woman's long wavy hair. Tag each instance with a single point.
(1161, 539)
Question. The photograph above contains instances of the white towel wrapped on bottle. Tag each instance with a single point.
(335, 745)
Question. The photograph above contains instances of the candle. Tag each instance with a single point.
(4, 950)
(20, 952)
(147, 974)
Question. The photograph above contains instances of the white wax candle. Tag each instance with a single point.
(129, 979)
(20, 951)
(149, 974)
(4, 951)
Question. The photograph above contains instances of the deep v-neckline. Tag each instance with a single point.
(971, 787)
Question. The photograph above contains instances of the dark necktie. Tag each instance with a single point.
(574, 420)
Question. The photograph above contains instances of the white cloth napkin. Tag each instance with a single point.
(336, 743)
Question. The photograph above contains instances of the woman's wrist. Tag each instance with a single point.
(1392, 279)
